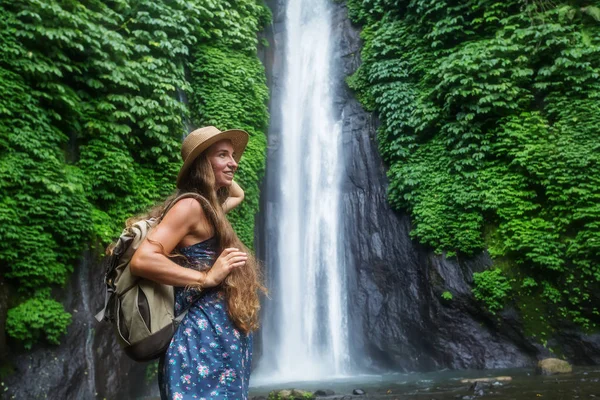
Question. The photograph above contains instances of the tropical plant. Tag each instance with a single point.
(91, 120)
(489, 124)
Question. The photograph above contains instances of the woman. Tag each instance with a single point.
(210, 354)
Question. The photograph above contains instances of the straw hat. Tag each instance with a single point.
(201, 139)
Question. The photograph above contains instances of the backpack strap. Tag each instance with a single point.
(111, 262)
(103, 313)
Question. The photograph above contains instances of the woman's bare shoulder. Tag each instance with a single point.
(187, 210)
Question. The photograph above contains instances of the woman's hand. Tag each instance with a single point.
(229, 259)
(236, 196)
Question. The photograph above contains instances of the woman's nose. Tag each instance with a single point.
(233, 164)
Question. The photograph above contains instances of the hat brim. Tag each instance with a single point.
(239, 140)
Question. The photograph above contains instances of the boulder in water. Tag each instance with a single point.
(359, 392)
(291, 394)
(301, 394)
(324, 392)
(552, 366)
(480, 388)
(280, 394)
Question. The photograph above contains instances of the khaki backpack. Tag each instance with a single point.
(141, 311)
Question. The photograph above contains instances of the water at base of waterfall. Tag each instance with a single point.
(584, 382)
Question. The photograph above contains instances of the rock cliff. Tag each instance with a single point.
(89, 363)
(398, 318)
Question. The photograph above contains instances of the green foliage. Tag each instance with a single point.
(492, 288)
(151, 372)
(447, 296)
(235, 97)
(292, 394)
(489, 123)
(528, 283)
(37, 317)
(92, 119)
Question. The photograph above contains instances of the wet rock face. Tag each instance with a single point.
(398, 317)
(89, 362)
(401, 321)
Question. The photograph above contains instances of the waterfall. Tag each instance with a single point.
(187, 123)
(84, 285)
(305, 333)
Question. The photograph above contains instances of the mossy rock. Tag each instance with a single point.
(552, 366)
(290, 394)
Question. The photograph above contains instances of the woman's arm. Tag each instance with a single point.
(150, 261)
(186, 218)
(236, 195)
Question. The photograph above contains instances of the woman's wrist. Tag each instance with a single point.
(204, 282)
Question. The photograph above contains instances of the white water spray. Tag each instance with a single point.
(84, 284)
(305, 334)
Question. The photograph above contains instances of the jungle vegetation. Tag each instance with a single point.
(490, 125)
(92, 113)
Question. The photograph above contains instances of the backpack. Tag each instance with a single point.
(140, 310)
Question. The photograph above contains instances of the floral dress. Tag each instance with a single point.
(208, 358)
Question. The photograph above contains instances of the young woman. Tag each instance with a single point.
(195, 249)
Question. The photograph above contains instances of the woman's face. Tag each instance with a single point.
(220, 156)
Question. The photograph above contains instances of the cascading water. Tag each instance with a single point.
(305, 330)
(84, 284)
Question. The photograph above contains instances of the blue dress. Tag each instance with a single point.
(208, 358)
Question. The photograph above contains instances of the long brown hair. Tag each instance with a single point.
(242, 285)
